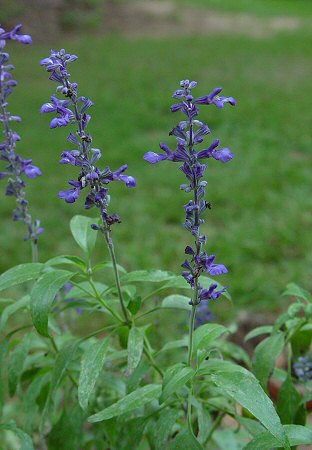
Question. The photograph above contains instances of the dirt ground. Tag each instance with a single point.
(163, 18)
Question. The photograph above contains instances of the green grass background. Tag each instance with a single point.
(260, 224)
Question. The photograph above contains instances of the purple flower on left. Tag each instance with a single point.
(15, 165)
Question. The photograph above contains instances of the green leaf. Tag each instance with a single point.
(185, 440)
(206, 334)
(265, 329)
(26, 441)
(63, 359)
(134, 305)
(130, 402)
(177, 301)
(67, 433)
(67, 259)
(12, 309)
(42, 297)
(4, 347)
(20, 274)
(151, 276)
(204, 420)
(108, 265)
(265, 356)
(30, 405)
(135, 348)
(84, 235)
(85, 290)
(174, 344)
(175, 381)
(134, 379)
(241, 385)
(296, 434)
(162, 428)
(16, 363)
(132, 438)
(288, 401)
(91, 365)
(253, 427)
(294, 290)
(226, 439)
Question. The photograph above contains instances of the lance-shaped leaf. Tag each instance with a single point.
(25, 439)
(135, 348)
(42, 297)
(185, 440)
(20, 274)
(177, 301)
(265, 356)
(151, 276)
(241, 385)
(176, 381)
(91, 365)
(84, 235)
(12, 309)
(67, 259)
(4, 347)
(206, 334)
(132, 401)
(296, 434)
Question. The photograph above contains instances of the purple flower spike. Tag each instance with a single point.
(74, 109)
(189, 133)
(16, 166)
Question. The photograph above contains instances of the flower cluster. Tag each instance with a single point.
(73, 109)
(16, 166)
(190, 133)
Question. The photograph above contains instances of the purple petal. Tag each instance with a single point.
(224, 155)
(130, 181)
(32, 171)
(217, 269)
(153, 157)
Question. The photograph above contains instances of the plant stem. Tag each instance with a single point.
(34, 250)
(191, 334)
(214, 426)
(110, 245)
(103, 303)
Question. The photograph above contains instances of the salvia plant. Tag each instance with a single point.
(15, 165)
(124, 385)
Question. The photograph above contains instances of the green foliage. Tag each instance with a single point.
(92, 363)
(42, 297)
(130, 402)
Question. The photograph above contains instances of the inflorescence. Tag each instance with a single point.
(190, 133)
(73, 109)
(16, 165)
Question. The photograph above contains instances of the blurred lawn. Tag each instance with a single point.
(263, 8)
(260, 224)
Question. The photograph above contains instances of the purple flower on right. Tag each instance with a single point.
(190, 133)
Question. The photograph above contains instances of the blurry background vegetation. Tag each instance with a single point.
(132, 55)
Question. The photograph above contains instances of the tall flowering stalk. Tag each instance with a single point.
(189, 134)
(73, 109)
(16, 166)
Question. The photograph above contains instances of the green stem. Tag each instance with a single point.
(110, 245)
(189, 363)
(191, 334)
(148, 354)
(103, 302)
(214, 426)
(34, 250)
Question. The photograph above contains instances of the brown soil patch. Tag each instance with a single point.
(164, 18)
